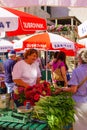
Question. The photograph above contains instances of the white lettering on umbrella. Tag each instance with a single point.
(33, 25)
(34, 45)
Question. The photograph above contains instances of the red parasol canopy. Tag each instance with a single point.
(16, 22)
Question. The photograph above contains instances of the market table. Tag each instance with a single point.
(28, 126)
(17, 121)
(23, 118)
(19, 126)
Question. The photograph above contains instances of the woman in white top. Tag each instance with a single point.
(26, 72)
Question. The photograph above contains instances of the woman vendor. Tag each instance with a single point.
(27, 72)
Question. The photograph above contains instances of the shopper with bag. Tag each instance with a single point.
(59, 70)
(78, 83)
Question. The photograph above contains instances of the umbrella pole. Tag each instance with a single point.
(46, 67)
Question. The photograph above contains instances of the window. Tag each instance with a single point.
(46, 8)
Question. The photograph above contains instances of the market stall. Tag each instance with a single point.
(13, 120)
(42, 109)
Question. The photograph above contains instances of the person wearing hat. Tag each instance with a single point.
(8, 67)
(78, 86)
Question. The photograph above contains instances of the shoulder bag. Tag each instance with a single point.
(57, 75)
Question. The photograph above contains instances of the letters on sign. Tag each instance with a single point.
(33, 25)
(82, 29)
(5, 25)
(36, 45)
(62, 45)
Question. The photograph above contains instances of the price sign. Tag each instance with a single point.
(82, 29)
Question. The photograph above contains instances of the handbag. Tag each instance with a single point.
(57, 75)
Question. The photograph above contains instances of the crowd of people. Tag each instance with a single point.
(26, 71)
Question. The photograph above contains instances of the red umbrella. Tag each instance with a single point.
(46, 41)
(79, 46)
(16, 22)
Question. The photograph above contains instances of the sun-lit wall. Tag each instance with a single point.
(65, 11)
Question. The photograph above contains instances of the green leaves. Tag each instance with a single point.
(58, 110)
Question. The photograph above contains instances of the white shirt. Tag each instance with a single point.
(28, 73)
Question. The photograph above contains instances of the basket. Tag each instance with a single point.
(22, 109)
(4, 100)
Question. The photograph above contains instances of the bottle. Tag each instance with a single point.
(28, 105)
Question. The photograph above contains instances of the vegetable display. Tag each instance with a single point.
(52, 106)
(32, 93)
(57, 111)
